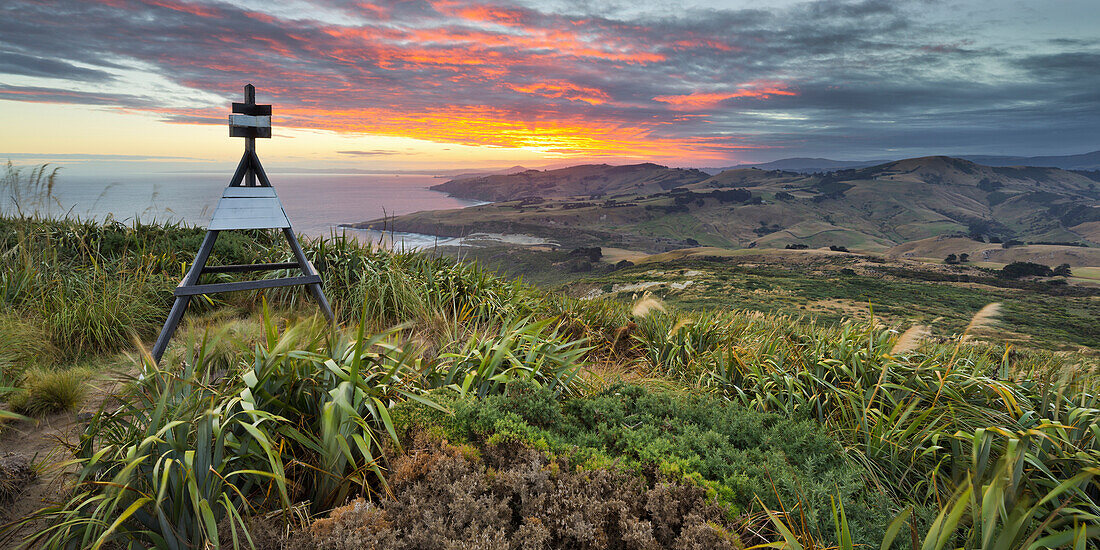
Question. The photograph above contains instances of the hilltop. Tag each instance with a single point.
(583, 180)
(1084, 161)
(802, 164)
(653, 208)
(937, 248)
(448, 402)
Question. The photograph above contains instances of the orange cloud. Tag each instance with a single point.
(702, 100)
(483, 12)
(488, 126)
(534, 42)
(711, 44)
(566, 90)
(551, 133)
(191, 9)
(457, 72)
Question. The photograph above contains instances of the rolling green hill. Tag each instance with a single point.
(652, 208)
(583, 180)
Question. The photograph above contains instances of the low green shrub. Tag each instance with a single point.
(736, 455)
(503, 497)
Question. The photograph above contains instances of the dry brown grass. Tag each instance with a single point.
(982, 320)
(911, 339)
(646, 305)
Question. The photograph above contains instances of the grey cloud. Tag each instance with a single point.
(16, 63)
(1080, 66)
(60, 95)
(92, 156)
(867, 74)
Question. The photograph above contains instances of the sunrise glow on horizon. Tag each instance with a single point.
(447, 84)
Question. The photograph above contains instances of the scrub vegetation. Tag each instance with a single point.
(1043, 313)
(449, 407)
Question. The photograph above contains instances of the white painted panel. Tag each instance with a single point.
(249, 213)
(249, 192)
(248, 223)
(250, 121)
(231, 204)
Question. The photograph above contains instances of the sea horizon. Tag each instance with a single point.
(318, 204)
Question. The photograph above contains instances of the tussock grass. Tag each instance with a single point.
(46, 391)
(98, 311)
(22, 344)
(85, 302)
(226, 337)
(28, 190)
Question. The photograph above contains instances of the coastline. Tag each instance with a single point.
(410, 241)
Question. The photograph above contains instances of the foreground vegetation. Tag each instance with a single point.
(450, 406)
(1037, 312)
(1034, 314)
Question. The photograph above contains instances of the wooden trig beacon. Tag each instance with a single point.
(249, 202)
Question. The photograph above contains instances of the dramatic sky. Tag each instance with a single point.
(444, 83)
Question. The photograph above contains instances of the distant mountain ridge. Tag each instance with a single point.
(504, 172)
(655, 208)
(803, 165)
(581, 180)
(1084, 161)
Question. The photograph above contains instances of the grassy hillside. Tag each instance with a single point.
(466, 409)
(1052, 313)
(833, 287)
(938, 248)
(583, 180)
(449, 407)
(870, 209)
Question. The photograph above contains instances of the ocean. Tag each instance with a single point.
(315, 203)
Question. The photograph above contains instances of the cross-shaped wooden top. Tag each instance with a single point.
(250, 120)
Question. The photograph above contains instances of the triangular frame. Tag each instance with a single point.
(249, 175)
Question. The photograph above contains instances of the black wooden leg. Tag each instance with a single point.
(319, 295)
(170, 325)
(242, 167)
(190, 279)
(308, 269)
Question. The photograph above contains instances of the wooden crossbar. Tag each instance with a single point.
(215, 288)
(240, 268)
